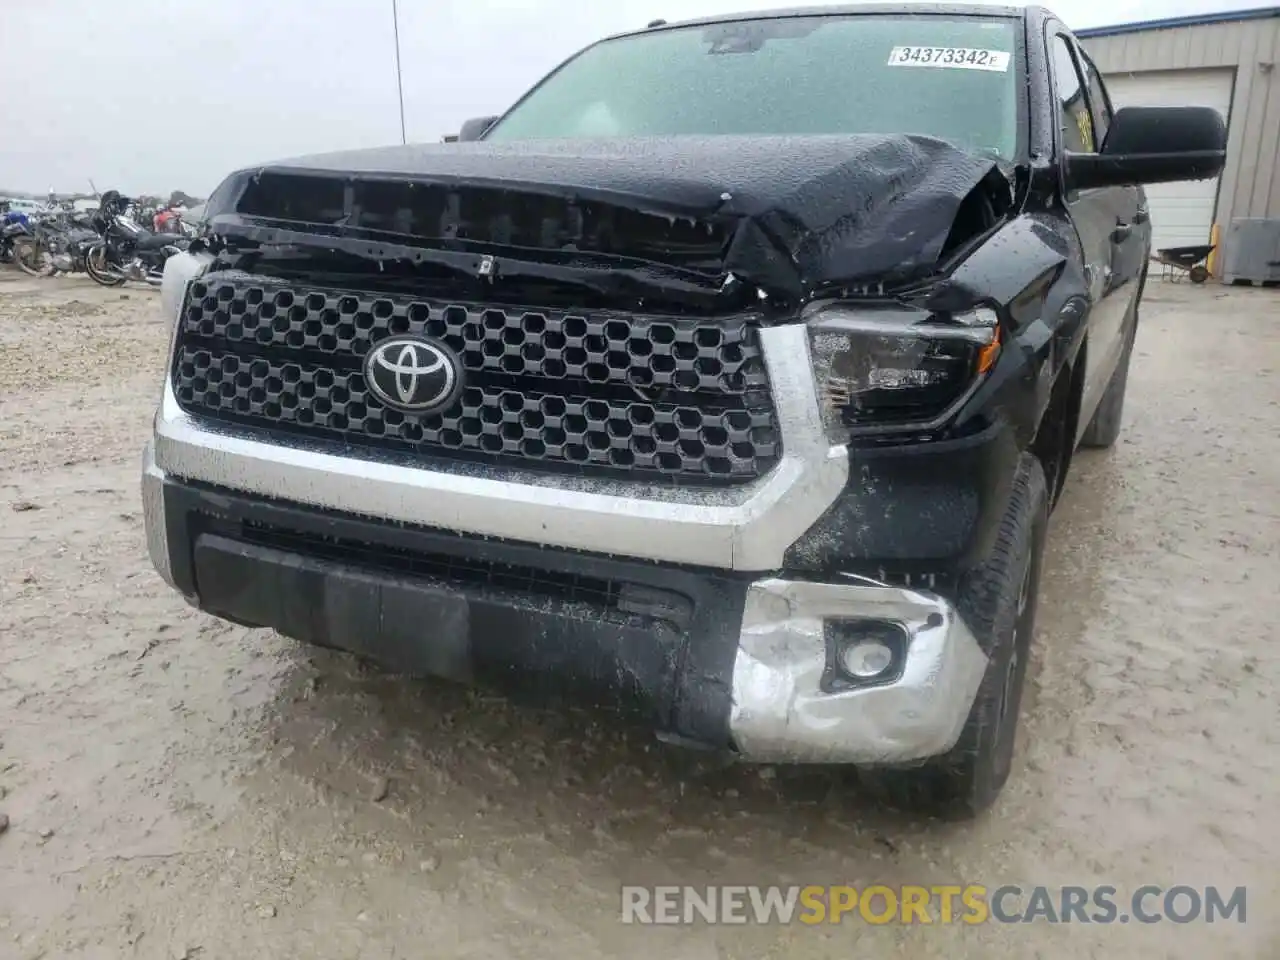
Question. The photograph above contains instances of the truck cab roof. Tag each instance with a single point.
(1025, 11)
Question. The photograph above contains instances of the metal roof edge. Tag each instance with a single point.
(1194, 20)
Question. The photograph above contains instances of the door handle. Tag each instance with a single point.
(1142, 216)
(1121, 233)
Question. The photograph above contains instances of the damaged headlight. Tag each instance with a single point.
(882, 369)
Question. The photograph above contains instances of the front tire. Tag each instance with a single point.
(997, 601)
(30, 258)
(95, 264)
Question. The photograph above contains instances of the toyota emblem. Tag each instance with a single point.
(412, 374)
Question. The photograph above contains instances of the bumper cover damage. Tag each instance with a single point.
(706, 658)
(782, 712)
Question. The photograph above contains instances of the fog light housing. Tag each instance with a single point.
(863, 653)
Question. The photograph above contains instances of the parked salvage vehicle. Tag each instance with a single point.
(54, 242)
(30, 247)
(15, 229)
(729, 377)
(71, 246)
(127, 251)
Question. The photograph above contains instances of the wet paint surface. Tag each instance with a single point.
(204, 786)
(791, 215)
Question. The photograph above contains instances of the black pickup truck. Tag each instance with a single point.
(728, 378)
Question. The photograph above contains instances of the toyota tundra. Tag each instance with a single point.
(727, 379)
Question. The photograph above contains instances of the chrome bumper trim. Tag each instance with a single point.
(748, 528)
(780, 714)
(153, 514)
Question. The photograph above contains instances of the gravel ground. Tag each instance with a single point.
(180, 787)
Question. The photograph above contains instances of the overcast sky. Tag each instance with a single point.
(149, 96)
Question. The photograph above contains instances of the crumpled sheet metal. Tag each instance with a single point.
(807, 212)
(780, 712)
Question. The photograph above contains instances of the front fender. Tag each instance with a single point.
(1032, 269)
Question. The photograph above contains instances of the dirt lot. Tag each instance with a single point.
(181, 787)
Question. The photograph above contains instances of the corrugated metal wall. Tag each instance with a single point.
(1251, 181)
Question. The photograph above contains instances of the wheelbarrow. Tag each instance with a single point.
(1179, 262)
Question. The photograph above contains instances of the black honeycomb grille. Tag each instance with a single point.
(600, 394)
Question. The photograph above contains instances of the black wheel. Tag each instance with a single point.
(998, 603)
(95, 264)
(1199, 273)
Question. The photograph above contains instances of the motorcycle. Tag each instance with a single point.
(54, 242)
(33, 252)
(70, 244)
(127, 251)
(14, 228)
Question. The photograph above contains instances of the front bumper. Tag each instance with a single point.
(709, 658)
(781, 711)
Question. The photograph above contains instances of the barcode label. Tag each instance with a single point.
(955, 58)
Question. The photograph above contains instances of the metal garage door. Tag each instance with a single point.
(1181, 213)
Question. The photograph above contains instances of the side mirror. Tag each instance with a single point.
(475, 128)
(1153, 145)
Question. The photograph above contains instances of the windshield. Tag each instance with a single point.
(954, 78)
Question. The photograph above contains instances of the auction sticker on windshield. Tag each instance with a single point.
(957, 58)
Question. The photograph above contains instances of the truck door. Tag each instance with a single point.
(1133, 227)
(1097, 214)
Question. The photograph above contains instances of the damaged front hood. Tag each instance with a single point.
(791, 216)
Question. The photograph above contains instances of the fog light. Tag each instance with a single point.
(866, 660)
(863, 653)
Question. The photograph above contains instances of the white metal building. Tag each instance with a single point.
(1225, 61)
